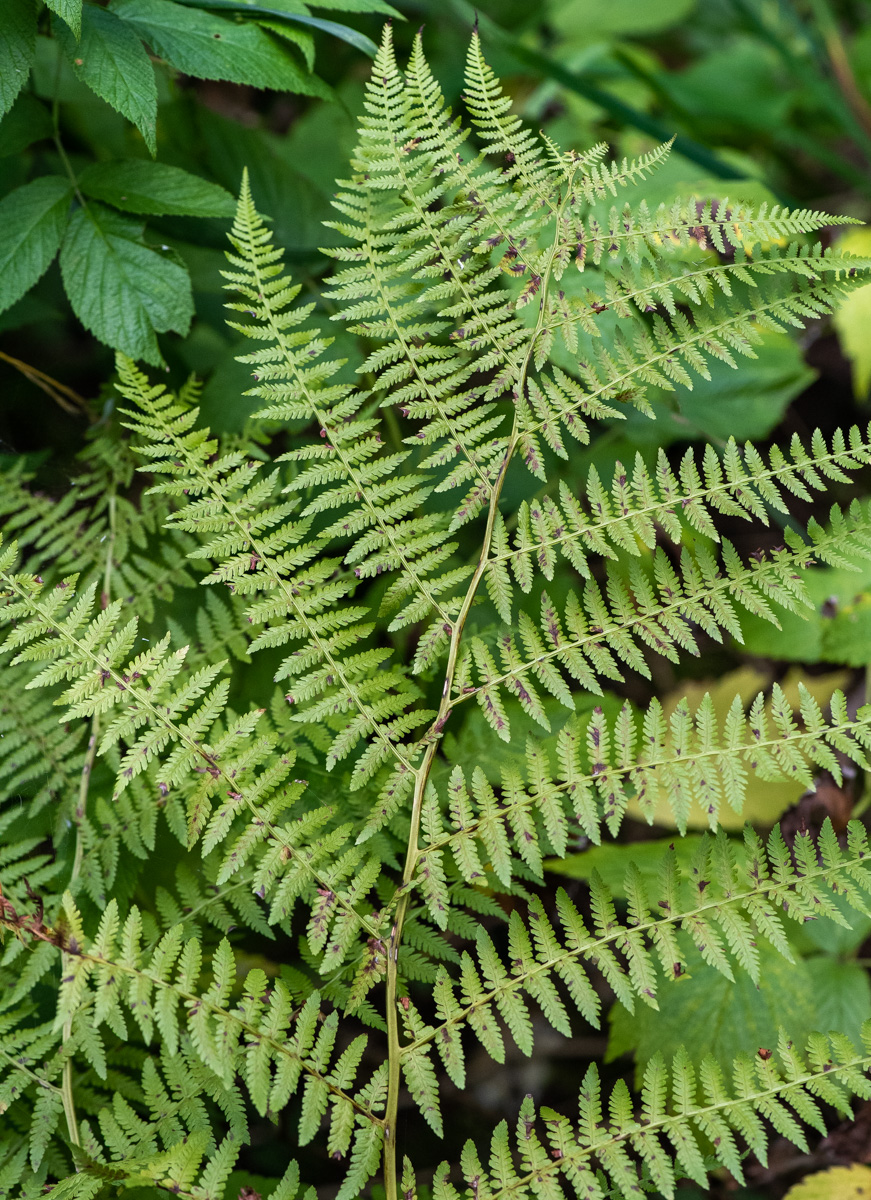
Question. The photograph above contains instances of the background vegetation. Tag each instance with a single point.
(146, 111)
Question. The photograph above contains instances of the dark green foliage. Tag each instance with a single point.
(56, 58)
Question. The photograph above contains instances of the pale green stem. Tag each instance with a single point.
(432, 738)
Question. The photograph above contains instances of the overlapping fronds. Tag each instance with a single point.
(378, 552)
(685, 1114)
(434, 234)
(663, 610)
(729, 229)
(260, 1039)
(73, 531)
(296, 594)
(728, 898)
(235, 787)
(350, 476)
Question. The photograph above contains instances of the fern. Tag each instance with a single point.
(386, 551)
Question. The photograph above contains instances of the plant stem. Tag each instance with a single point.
(81, 808)
(422, 776)
(56, 138)
(68, 399)
(432, 738)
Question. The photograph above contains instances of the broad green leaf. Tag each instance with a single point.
(838, 1183)
(736, 83)
(828, 935)
(841, 991)
(140, 186)
(591, 19)
(69, 11)
(300, 38)
(709, 1014)
(112, 61)
(852, 317)
(212, 47)
(32, 220)
(611, 861)
(288, 14)
(28, 121)
(227, 148)
(343, 32)
(123, 291)
(357, 6)
(17, 48)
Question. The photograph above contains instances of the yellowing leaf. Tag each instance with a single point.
(838, 1183)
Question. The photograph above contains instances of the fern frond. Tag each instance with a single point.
(681, 1111)
(646, 285)
(726, 900)
(660, 610)
(629, 514)
(380, 504)
(687, 760)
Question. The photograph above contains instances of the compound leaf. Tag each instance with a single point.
(114, 64)
(32, 221)
(123, 291)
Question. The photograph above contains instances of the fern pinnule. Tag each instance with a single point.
(637, 507)
(688, 762)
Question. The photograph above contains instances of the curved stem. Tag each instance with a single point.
(56, 138)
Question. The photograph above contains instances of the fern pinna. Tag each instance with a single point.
(401, 548)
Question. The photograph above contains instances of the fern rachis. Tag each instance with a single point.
(383, 577)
